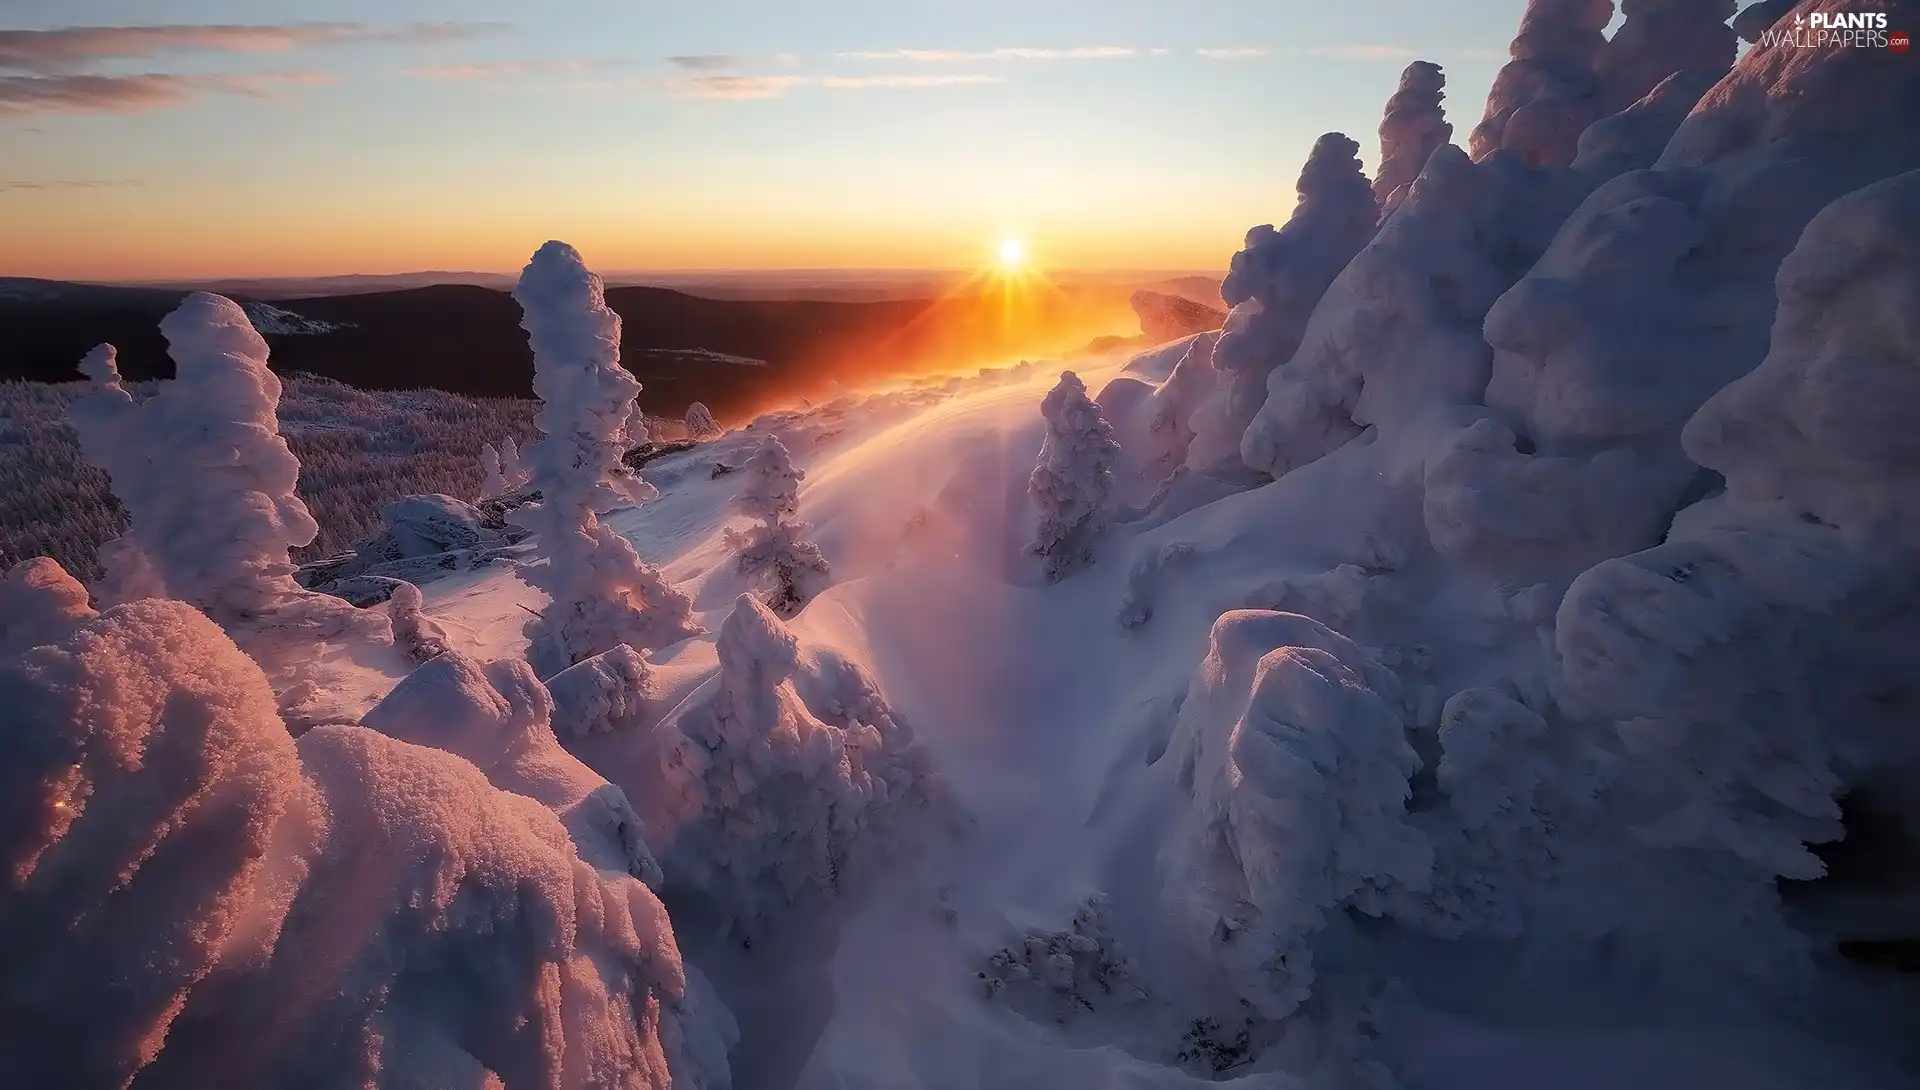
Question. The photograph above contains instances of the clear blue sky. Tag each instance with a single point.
(788, 133)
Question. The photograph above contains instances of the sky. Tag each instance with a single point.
(211, 138)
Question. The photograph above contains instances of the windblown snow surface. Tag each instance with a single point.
(1486, 727)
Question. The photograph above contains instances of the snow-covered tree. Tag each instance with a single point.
(1296, 769)
(417, 635)
(1073, 484)
(603, 594)
(762, 801)
(1414, 125)
(612, 691)
(493, 481)
(209, 484)
(1549, 91)
(777, 549)
(194, 898)
(1762, 657)
(1620, 331)
(1273, 286)
(512, 470)
(1659, 38)
(701, 426)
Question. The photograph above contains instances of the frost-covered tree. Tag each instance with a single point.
(493, 480)
(776, 549)
(761, 800)
(1621, 330)
(418, 636)
(1073, 484)
(1762, 658)
(612, 691)
(511, 468)
(701, 426)
(1549, 91)
(194, 898)
(209, 484)
(1295, 769)
(1659, 38)
(1273, 286)
(603, 594)
(1414, 125)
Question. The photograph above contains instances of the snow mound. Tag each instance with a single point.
(1297, 772)
(701, 426)
(195, 898)
(603, 594)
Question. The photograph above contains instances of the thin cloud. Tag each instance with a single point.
(1364, 52)
(954, 80)
(507, 69)
(741, 87)
(22, 96)
(704, 62)
(937, 56)
(70, 49)
(71, 183)
(752, 88)
(1243, 53)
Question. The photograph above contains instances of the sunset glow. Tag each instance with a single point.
(1013, 252)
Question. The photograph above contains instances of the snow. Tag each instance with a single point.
(1511, 726)
(276, 322)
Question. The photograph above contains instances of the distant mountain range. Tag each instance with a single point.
(736, 355)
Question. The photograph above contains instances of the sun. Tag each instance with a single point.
(1013, 252)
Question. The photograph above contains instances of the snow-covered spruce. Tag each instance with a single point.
(761, 802)
(1414, 125)
(1659, 38)
(1057, 975)
(1073, 484)
(602, 593)
(1295, 767)
(1549, 91)
(776, 550)
(1622, 329)
(701, 426)
(1273, 286)
(493, 478)
(215, 515)
(194, 898)
(612, 691)
(1763, 658)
